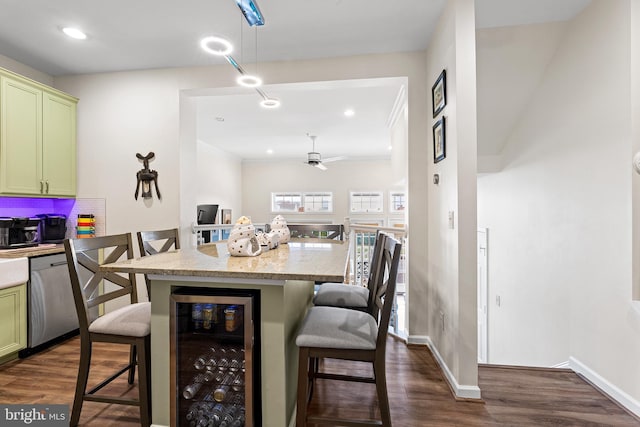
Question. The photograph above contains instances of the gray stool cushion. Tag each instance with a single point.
(133, 320)
(333, 327)
(340, 295)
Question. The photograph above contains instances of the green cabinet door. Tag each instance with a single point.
(58, 145)
(13, 319)
(20, 137)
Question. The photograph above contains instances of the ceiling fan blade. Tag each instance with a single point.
(320, 166)
(333, 159)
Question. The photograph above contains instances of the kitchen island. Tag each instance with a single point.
(284, 277)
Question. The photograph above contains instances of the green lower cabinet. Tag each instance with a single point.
(13, 320)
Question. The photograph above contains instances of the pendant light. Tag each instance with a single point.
(221, 47)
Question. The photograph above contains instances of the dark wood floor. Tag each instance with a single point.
(419, 396)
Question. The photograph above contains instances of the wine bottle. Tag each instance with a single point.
(220, 393)
(238, 382)
(192, 389)
(239, 422)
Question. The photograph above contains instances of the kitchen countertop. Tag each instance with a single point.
(33, 251)
(314, 261)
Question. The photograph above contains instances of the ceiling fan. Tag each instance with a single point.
(315, 159)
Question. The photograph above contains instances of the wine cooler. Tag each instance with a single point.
(215, 358)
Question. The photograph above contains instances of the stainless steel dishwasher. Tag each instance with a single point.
(52, 312)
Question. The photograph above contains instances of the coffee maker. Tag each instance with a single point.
(18, 232)
(53, 228)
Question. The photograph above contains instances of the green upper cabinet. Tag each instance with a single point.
(20, 137)
(58, 145)
(37, 139)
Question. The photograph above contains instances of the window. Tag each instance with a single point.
(366, 202)
(317, 202)
(286, 202)
(397, 201)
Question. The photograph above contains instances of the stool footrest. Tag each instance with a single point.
(340, 422)
(344, 377)
(108, 380)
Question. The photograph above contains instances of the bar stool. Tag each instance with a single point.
(351, 296)
(339, 333)
(129, 325)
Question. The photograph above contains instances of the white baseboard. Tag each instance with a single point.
(610, 389)
(563, 365)
(461, 391)
(418, 339)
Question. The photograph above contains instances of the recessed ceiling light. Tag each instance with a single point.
(270, 103)
(74, 33)
(349, 112)
(249, 81)
(269, 151)
(216, 46)
(390, 148)
(220, 119)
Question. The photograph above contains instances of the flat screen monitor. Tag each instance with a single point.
(207, 214)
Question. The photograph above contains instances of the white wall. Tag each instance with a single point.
(24, 70)
(262, 178)
(511, 62)
(219, 178)
(559, 214)
(451, 251)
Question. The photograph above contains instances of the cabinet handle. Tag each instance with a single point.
(41, 187)
(47, 187)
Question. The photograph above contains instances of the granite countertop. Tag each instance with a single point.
(315, 261)
(33, 251)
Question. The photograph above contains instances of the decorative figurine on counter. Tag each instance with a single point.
(242, 239)
(279, 226)
(146, 176)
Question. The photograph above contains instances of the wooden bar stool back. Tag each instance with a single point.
(129, 325)
(339, 333)
(148, 241)
(353, 296)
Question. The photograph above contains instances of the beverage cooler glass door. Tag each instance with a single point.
(213, 366)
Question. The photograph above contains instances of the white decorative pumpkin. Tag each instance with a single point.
(242, 239)
(279, 226)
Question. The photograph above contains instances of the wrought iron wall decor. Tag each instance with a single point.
(146, 176)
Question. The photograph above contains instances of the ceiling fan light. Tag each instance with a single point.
(216, 46)
(270, 103)
(249, 80)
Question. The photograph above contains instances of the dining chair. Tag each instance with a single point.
(153, 242)
(129, 324)
(339, 333)
(353, 296)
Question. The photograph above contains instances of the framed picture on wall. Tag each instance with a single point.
(439, 141)
(439, 93)
(225, 216)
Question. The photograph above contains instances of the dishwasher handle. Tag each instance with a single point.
(55, 264)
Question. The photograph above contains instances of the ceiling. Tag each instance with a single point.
(144, 34)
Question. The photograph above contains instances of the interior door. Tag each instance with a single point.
(483, 315)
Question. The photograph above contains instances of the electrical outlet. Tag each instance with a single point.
(452, 221)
